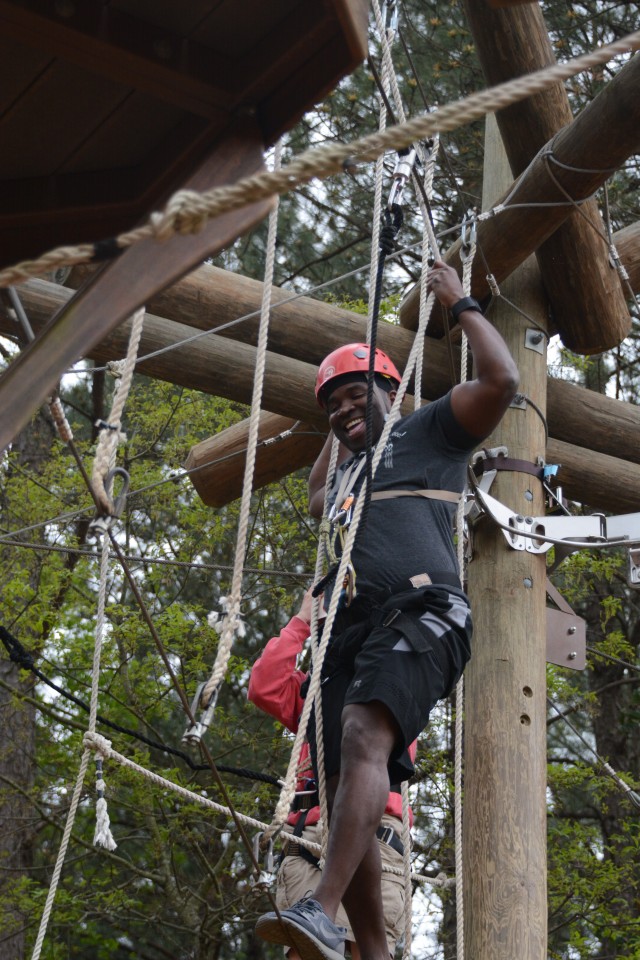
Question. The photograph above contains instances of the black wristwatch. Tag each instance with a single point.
(466, 303)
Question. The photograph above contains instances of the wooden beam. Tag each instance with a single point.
(210, 297)
(126, 283)
(574, 260)
(627, 243)
(217, 464)
(220, 366)
(303, 328)
(508, 238)
(599, 481)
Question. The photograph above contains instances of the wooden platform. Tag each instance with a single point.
(105, 108)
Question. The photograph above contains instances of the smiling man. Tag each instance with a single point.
(402, 634)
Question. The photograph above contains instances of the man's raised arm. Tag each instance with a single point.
(478, 404)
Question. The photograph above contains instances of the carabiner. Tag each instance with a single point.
(102, 522)
(468, 233)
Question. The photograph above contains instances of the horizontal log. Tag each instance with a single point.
(217, 464)
(511, 236)
(593, 479)
(303, 327)
(223, 367)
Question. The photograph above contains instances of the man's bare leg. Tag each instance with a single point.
(352, 871)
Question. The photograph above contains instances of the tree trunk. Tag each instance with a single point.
(17, 728)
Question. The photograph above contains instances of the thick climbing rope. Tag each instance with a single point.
(101, 745)
(321, 558)
(231, 622)
(467, 254)
(111, 432)
(406, 857)
(187, 211)
(377, 192)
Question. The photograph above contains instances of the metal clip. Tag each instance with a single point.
(390, 10)
(468, 232)
(102, 522)
(259, 850)
(402, 172)
(195, 731)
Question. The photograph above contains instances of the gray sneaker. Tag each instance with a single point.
(306, 927)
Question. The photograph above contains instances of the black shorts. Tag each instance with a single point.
(408, 654)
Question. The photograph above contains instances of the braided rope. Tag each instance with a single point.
(190, 209)
(62, 852)
(317, 706)
(101, 745)
(322, 780)
(99, 633)
(467, 265)
(59, 418)
(111, 435)
(312, 699)
(231, 622)
(406, 858)
(104, 459)
(377, 205)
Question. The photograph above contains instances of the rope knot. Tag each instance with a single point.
(186, 212)
(116, 368)
(229, 618)
(99, 744)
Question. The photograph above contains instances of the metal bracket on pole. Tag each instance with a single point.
(566, 633)
(538, 534)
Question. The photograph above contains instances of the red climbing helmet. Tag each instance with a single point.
(352, 358)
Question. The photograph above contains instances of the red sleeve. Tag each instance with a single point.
(274, 685)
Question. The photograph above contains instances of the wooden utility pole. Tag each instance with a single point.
(505, 732)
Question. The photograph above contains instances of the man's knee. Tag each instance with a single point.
(369, 731)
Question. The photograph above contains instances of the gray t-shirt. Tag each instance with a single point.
(405, 536)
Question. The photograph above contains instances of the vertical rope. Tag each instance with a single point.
(377, 196)
(408, 893)
(103, 461)
(62, 852)
(93, 709)
(467, 264)
(322, 780)
(111, 433)
(232, 622)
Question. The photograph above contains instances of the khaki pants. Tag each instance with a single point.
(297, 878)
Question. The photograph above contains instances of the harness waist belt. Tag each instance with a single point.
(448, 495)
(385, 835)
